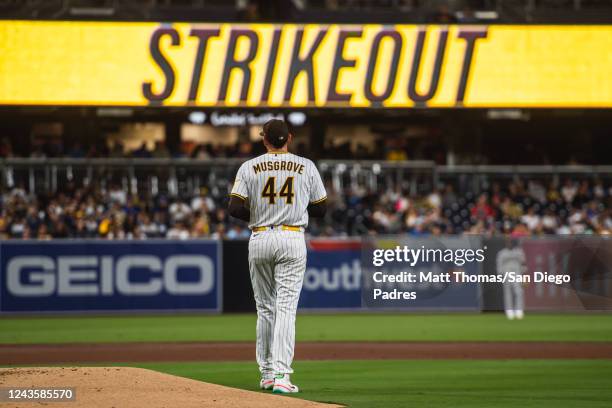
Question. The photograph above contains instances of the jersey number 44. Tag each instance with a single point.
(286, 191)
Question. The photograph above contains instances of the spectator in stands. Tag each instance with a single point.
(237, 232)
(38, 152)
(178, 231)
(550, 222)
(117, 150)
(203, 202)
(569, 190)
(577, 222)
(160, 151)
(142, 152)
(434, 199)
(179, 211)
(396, 149)
(599, 192)
(201, 225)
(531, 219)
(583, 195)
(219, 232)
(385, 220)
(482, 210)
(510, 208)
(220, 217)
(519, 231)
(413, 219)
(117, 194)
(6, 148)
(201, 152)
(449, 196)
(536, 190)
(552, 195)
(496, 195)
(43, 232)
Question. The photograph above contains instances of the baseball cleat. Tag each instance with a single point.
(282, 385)
(266, 383)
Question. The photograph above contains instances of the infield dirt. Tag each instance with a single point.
(245, 351)
(116, 387)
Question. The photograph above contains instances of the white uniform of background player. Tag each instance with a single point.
(277, 188)
(512, 259)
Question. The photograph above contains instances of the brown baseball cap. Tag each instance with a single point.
(276, 132)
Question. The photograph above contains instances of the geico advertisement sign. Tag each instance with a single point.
(36, 276)
(314, 65)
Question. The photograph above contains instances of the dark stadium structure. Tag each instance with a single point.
(319, 11)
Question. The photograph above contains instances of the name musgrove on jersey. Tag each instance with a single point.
(279, 166)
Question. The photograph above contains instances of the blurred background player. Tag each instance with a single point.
(512, 259)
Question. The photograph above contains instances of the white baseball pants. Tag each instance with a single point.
(514, 302)
(277, 262)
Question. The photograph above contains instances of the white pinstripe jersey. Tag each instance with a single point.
(279, 186)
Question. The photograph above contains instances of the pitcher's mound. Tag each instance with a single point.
(106, 387)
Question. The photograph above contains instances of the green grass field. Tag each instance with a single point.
(426, 383)
(310, 327)
(372, 383)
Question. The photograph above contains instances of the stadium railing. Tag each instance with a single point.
(187, 176)
(154, 175)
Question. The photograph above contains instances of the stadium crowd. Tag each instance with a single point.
(518, 207)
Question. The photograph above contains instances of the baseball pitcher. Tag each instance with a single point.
(275, 193)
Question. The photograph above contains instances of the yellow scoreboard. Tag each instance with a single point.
(268, 65)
